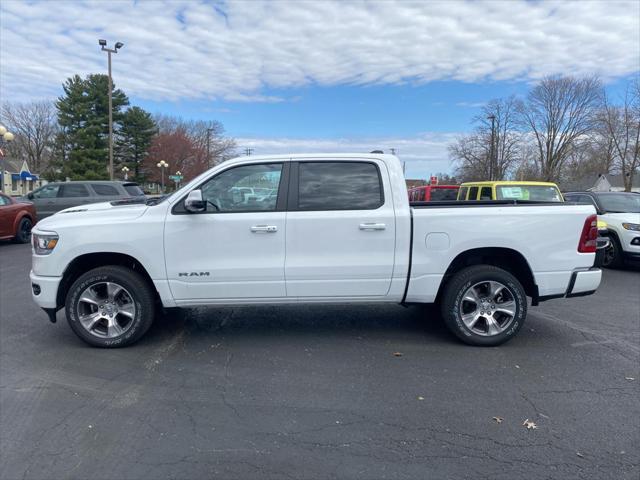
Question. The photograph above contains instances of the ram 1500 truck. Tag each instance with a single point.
(309, 228)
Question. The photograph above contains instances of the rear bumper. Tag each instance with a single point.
(44, 290)
(581, 283)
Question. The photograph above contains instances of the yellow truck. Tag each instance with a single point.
(510, 190)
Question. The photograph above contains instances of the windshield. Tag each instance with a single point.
(540, 193)
(620, 202)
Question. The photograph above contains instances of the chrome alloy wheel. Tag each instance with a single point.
(488, 308)
(106, 309)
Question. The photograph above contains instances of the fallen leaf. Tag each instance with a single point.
(420, 398)
(498, 419)
(529, 424)
(517, 366)
(397, 354)
(629, 378)
(580, 455)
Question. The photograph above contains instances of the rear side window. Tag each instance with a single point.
(106, 190)
(339, 186)
(485, 193)
(133, 189)
(441, 194)
(473, 193)
(73, 190)
(4, 201)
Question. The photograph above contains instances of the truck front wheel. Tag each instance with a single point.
(110, 306)
(484, 305)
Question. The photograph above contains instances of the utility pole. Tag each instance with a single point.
(209, 130)
(393, 151)
(248, 151)
(491, 153)
(116, 47)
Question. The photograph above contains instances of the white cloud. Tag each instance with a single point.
(234, 50)
(424, 154)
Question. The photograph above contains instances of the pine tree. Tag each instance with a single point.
(134, 138)
(83, 115)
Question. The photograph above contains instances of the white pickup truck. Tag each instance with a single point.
(330, 228)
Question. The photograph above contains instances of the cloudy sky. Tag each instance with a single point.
(320, 75)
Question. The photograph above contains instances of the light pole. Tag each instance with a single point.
(491, 153)
(125, 170)
(162, 165)
(209, 130)
(116, 47)
(5, 138)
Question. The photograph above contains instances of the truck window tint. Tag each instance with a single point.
(485, 193)
(473, 193)
(441, 194)
(48, 191)
(248, 188)
(134, 190)
(339, 186)
(74, 190)
(106, 190)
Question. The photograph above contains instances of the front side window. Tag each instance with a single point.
(473, 193)
(72, 190)
(463, 193)
(133, 189)
(339, 186)
(48, 191)
(248, 188)
(4, 201)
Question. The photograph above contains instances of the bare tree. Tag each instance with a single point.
(621, 125)
(35, 127)
(475, 155)
(559, 112)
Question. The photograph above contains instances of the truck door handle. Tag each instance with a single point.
(264, 229)
(372, 226)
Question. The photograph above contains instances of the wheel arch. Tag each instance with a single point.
(506, 258)
(88, 261)
(19, 216)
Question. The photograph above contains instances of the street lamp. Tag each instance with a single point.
(179, 177)
(162, 165)
(125, 169)
(116, 47)
(5, 138)
(491, 149)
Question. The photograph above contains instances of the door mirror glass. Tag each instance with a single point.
(194, 202)
(30, 196)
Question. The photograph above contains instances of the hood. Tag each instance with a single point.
(622, 217)
(93, 214)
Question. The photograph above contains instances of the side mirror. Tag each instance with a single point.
(30, 196)
(194, 202)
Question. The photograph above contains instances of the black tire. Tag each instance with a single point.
(453, 306)
(138, 292)
(24, 231)
(613, 254)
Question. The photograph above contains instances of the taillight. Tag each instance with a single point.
(589, 235)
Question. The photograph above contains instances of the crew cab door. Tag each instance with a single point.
(235, 249)
(341, 229)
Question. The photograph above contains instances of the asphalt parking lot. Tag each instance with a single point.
(320, 392)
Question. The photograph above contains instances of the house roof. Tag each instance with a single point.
(13, 165)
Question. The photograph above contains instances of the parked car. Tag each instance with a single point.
(508, 190)
(56, 196)
(429, 193)
(621, 212)
(16, 219)
(349, 233)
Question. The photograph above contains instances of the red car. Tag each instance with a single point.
(429, 193)
(16, 219)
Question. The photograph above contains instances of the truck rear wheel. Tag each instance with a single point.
(484, 305)
(110, 306)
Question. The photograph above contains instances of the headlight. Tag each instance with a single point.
(632, 226)
(43, 244)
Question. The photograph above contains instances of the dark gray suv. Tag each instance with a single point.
(56, 196)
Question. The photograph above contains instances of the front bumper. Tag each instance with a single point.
(44, 290)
